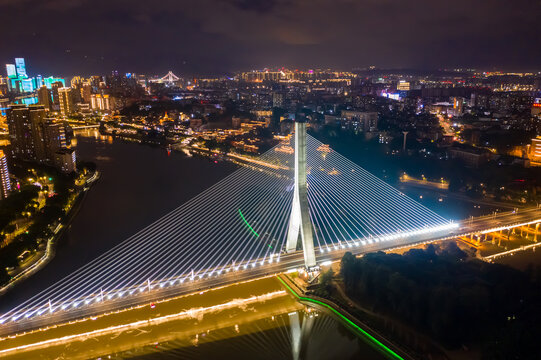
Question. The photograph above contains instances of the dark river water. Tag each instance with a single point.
(138, 185)
(298, 335)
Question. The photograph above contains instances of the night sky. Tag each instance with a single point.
(205, 37)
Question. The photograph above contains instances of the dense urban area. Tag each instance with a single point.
(470, 134)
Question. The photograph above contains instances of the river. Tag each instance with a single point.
(138, 185)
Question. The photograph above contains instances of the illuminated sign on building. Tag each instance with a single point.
(50, 80)
(20, 67)
(27, 85)
(10, 70)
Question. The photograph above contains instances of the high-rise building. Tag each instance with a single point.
(54, 92)
(54, 138)
(37, 121)
(20, 132)
(20, 66)
(25, 125)
(44, 97)
(65, 99)
(11, 71)
(51, 80)
(5, 182)
(65, 160)
(36, 138)
(102, 102)
(86, 93)
(278, 100)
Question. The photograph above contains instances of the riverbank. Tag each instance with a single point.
(375, 339)
(29, 268)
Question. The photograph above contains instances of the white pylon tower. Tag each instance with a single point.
(299, 221)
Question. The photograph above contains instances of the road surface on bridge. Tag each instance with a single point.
(287, 262)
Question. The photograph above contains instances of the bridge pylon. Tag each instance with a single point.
(299, 221)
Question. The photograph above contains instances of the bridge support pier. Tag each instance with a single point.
(299, 221)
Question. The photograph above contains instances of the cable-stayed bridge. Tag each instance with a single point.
(238, 230)
(167, 78)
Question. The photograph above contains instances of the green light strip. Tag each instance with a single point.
(375, 341)
(251, 228)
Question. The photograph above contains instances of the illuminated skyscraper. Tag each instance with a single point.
(24, 124)
(65, 100)
(54, 138)
(21, 68)
(86, 93)
(51, 80)
(65, 160)
(44, 97)
(10, 71)
(5, 183)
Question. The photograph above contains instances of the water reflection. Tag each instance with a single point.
(302, 334)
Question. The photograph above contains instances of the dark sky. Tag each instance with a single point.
(69, 37)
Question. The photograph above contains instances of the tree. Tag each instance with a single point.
(325, 278)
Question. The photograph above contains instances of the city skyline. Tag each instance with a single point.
(216, 37)
(270, 179)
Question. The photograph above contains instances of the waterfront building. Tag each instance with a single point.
(65, 160)
(54, 138)
(5, 182)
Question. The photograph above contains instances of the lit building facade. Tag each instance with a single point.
(65, 101)
(5, 182)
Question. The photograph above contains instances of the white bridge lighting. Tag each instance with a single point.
(241, 224)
